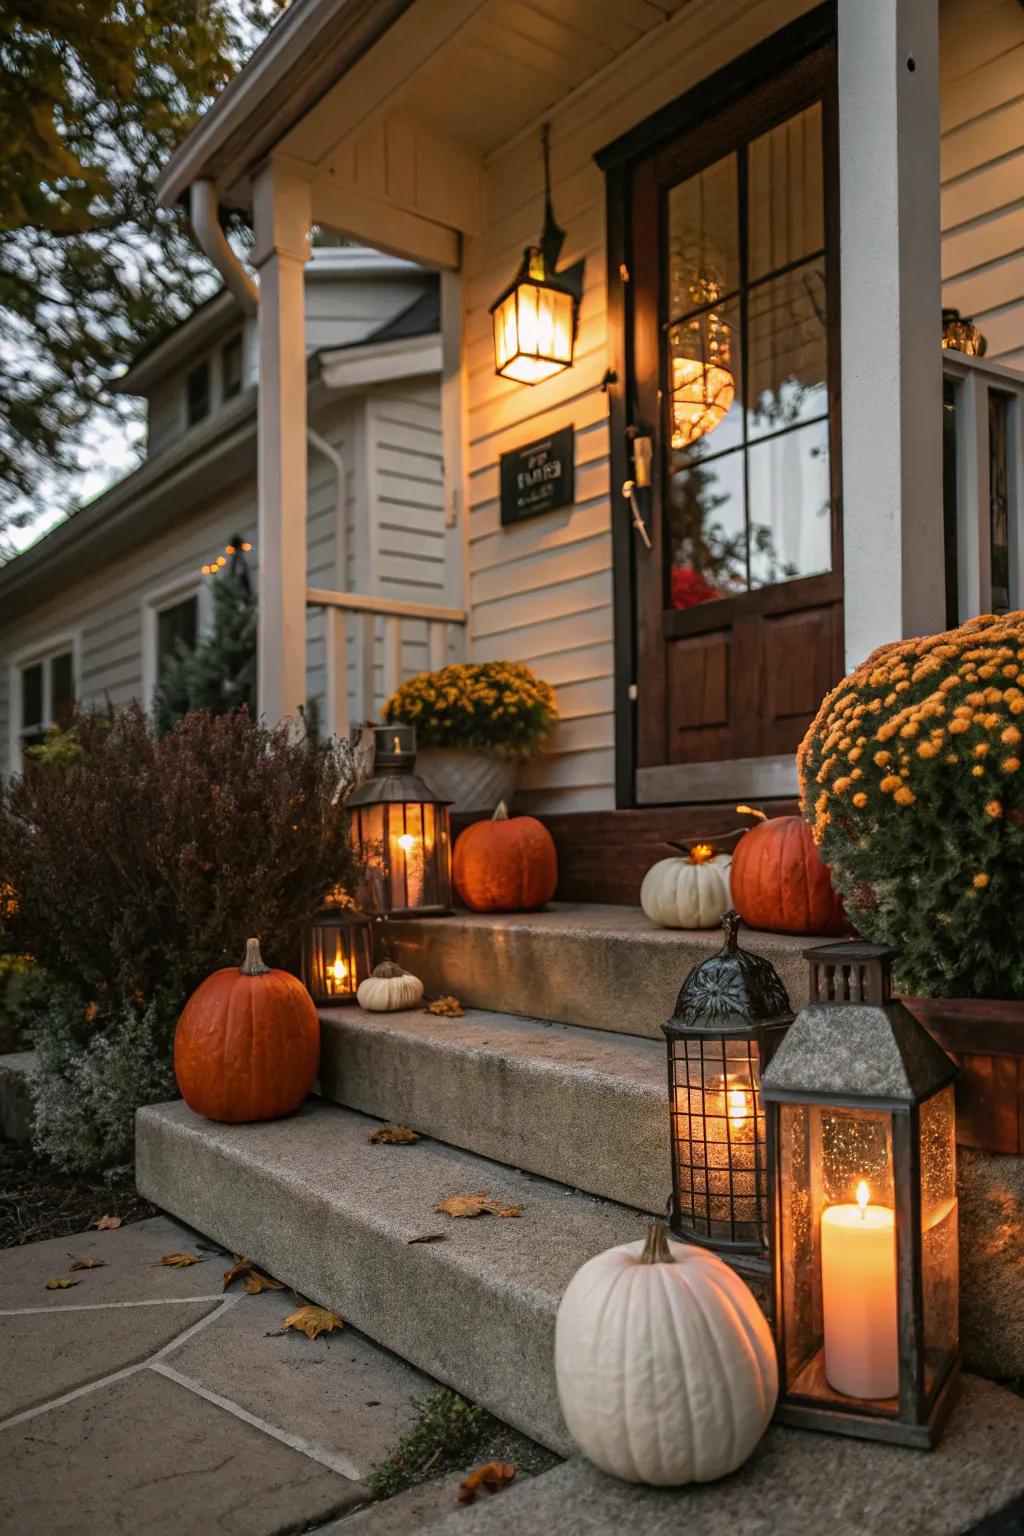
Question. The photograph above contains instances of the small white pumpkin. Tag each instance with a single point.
(666, 1367)
(691, 891)
(389, 988)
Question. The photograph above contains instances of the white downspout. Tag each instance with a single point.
(340, 518)
(205, 216)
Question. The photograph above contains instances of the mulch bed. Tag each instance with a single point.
(37, 1201)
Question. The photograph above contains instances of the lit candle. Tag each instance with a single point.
(337, 975)
(412, 856)
(858, 1286)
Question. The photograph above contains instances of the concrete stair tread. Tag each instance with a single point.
(336, 1217)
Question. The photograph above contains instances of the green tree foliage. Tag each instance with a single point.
(94, 97)
(219, 672)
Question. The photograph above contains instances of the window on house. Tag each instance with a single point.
(231, 367)
(178, 622)
(47, 695)
(197, 393)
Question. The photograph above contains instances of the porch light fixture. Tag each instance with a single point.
(535, 318)
(960, 334)
(402, 831)
(730, 1016)
(337, 954)
(703, 388)
(861, 1137)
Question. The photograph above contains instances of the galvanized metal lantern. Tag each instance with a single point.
(402, 831)
(730, 1016)
(534, 319)
(862, 1140)
(337, 954)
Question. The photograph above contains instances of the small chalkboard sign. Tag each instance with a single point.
(538, 477)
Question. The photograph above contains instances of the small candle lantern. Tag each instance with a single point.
(337, 954)
(402, 831)
(861, 1134)
(731, 1013)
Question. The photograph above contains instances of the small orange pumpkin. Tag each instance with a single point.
(779, 883)
(507, 864)
(247, 1046)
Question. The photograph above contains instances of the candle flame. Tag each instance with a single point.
(863, 1195)
(738, 1108)
(701, 853)
(339, 970)
(406, 841)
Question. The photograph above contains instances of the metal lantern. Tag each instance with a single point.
(862, 1141)
(337, 954)
(960, 334)
(402, 831)
(534, 319)
(731, 1013)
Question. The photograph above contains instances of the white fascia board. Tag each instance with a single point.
(351, 368)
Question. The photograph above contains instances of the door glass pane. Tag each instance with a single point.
(787, 380)
(62, 688)
(790, 505)
(707, 530)
(32, 695)
(998, 499)
(180, 622)
(703, 238)
(785, 195)
(704, 380)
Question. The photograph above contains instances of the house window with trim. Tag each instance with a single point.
(178, 622)
(46, 695)
(231, 368)
(197, 393)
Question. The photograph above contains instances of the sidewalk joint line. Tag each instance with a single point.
(104, 1306)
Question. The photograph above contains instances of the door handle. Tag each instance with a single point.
(629, 493)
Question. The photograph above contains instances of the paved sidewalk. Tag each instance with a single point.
(144, 1400)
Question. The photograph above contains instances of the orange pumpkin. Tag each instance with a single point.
(247, 1046)
(778, 881)
(507, 864)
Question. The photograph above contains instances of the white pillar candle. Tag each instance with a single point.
(858, 1285)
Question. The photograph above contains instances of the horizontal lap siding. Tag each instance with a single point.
(982, 66)
(542, 592)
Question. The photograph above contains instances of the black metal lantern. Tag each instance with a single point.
(337, 954)
(731, 1013)
(862, 1140)
(402, 831)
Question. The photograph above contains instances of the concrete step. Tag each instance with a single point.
(598, 967)
(352, 1225)
(16, 1070)
(582, 1106)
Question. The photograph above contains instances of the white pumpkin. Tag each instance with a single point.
(691, 891)
(666, 1367)
(389, 988)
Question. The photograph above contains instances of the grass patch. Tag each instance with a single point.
(450, 1434)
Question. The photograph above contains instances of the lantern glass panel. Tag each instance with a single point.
(337, 956)
(718, 1140)
(406, 847)
(533, 332)
(939, 1243)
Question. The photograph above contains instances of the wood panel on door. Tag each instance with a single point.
(735, 372)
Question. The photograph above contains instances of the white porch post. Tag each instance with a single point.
(890, 296)
(281, 215)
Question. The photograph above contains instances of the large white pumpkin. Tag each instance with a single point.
(691, 891)
(666, 1367)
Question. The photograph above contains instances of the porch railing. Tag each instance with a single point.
(983, 486)
(383, 626)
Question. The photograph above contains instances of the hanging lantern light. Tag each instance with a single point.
(402, 831)
(337, 954)
(535, 318)
(730, 1016)
(703, 388)
(960, 334)
(862, 1141)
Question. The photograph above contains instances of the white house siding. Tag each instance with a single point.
(542, 592)
(982, 61)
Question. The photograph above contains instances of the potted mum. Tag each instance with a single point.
(474, 724)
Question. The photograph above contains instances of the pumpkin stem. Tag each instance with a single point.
(751, 810)
(731, 928)
(656, 1248)
(387, 969)
(500, 812)
(252, 961)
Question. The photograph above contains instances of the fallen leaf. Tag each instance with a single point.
(88, 1264)
(239, 1267)
(61, 1285)
(429, 1237)
(490, 1478)
(393, 1135)
(179, 1260)
(255, 1282)
(313, 1321)
(446, 1008)
(476, 1205)
(107, 1223)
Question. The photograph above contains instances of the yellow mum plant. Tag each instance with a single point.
(927, 845)
(490, 706)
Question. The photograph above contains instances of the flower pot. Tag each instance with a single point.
(986, 1037)
(472, 781)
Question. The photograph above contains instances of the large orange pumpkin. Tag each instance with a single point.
(507, 864)
(778, 881)
(247, 1046)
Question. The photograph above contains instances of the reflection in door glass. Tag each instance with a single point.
(790, 506)
(707, 529)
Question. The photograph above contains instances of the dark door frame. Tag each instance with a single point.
(617, 161)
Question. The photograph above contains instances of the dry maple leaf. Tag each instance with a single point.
(490, 1478)
(88, 1264)
(313, 1321)
(255, 1282)
(393, 1135)
(179, 1260)
(476, 1205)
(61, 1285)
(107, 1223)
(446, 1008)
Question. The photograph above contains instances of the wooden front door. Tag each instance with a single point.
(735, 377)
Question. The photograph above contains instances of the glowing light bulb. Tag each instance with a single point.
(406, 842)
(863, 1196)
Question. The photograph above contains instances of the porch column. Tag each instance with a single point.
(281, 216)
(890, 296)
